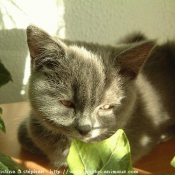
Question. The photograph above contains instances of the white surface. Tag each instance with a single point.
(102, 21)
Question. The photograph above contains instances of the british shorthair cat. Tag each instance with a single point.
(88, 91)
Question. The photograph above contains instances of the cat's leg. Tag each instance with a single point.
(54, 145)
(25, 140)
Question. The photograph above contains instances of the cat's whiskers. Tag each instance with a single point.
(68, 131)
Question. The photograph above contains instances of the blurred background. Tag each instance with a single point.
(101, 21)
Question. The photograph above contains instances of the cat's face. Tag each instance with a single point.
(78, 92)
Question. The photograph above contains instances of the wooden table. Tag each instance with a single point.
(155, 163)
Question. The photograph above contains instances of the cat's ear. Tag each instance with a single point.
(130, 61)
(44, 50)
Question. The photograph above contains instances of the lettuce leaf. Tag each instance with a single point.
(111, 156)
(173, 162)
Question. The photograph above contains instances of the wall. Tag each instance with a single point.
(102, 21)
(105, 21)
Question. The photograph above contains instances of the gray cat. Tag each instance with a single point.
(88, 91)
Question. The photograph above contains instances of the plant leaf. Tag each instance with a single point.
(173, 162)
(5, 75)
(7, 164)
(2, 125)
(111, 156)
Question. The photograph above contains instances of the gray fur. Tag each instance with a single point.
(91, 76)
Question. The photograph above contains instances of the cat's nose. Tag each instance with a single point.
(84, 129)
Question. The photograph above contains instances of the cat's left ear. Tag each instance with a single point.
(130, 61)
(45, 51)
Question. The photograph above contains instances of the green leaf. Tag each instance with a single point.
(111, 156)
(2, 125)
(5, 75)
(8, 166)
(6, 163)
(173, 162)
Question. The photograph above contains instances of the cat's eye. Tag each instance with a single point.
(67, 103)
(107, 107)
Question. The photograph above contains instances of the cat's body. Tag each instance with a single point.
(88, 91)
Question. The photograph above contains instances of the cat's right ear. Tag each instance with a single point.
(44, 50)
(131, 60)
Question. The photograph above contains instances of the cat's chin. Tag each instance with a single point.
(92, 140)
(87, 138)
(94, 136)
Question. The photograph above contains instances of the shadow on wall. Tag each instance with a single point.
(13, 45)
(13, 54)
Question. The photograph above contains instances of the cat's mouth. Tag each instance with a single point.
(96, 135)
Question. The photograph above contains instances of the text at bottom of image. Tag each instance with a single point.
(68, 171)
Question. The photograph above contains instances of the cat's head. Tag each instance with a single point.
(85, 92)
